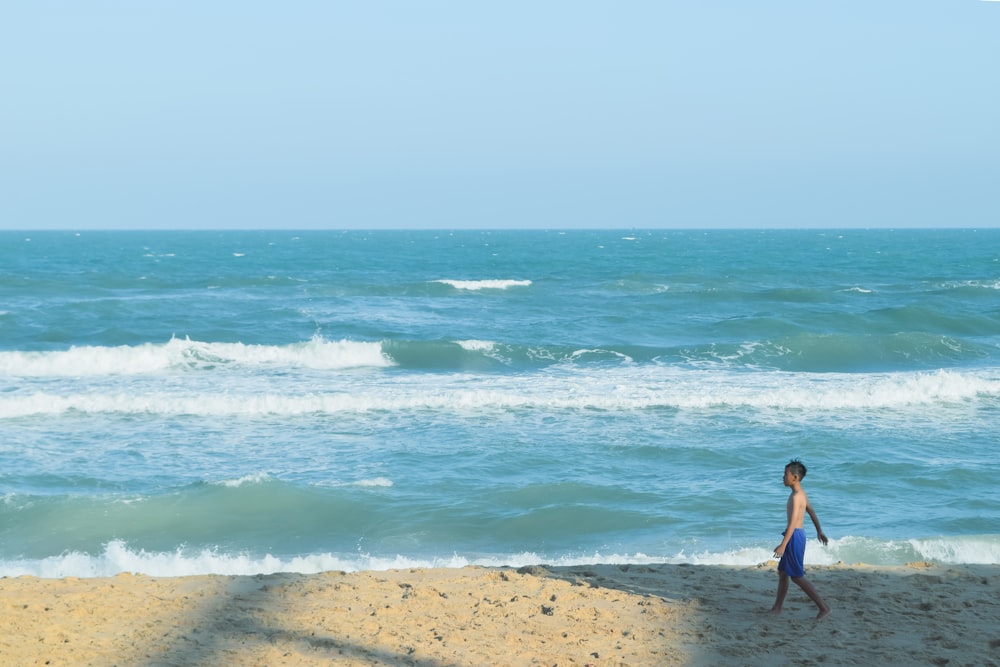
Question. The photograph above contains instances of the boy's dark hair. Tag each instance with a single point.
(797, 467)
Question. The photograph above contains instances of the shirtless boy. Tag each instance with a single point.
(793, 547)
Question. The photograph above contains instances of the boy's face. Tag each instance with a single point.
(790, 478)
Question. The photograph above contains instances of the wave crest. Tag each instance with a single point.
(118, 557)
(184, 353)
(475, 285)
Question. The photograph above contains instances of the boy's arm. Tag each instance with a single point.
(819, 531)
(780, 549)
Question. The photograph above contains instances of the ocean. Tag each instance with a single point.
(243, 402)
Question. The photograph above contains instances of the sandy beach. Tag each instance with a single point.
(919, 614)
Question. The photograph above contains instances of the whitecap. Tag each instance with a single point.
(475, 285)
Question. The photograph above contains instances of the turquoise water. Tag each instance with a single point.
(244, 402)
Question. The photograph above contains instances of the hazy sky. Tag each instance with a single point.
(466, 114)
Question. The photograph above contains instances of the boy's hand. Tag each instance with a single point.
(779, 550)
(822, 537)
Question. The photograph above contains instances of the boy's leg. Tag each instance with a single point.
(824, 608)
(782, 591)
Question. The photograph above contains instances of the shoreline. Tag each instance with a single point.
(656, 615)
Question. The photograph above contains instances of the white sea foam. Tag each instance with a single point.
(476, 345)
(980, 284)
(381, 482)
(180, 353)
(610, 390)
(963, 549)
(484, 284)
(256, 478)
(118, 557)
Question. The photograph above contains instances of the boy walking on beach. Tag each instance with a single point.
(793, 547)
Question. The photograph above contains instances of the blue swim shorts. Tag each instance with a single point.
(792, 561)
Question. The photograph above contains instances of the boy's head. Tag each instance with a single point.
(797, 468)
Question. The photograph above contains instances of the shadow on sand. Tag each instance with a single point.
(652, 615)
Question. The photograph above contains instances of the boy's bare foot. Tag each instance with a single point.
(823, 613)
(774, 611)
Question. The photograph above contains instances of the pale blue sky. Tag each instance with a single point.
(563, 114)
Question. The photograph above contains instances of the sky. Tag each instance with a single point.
(321, 114)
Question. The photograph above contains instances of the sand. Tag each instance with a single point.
(661, 615)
